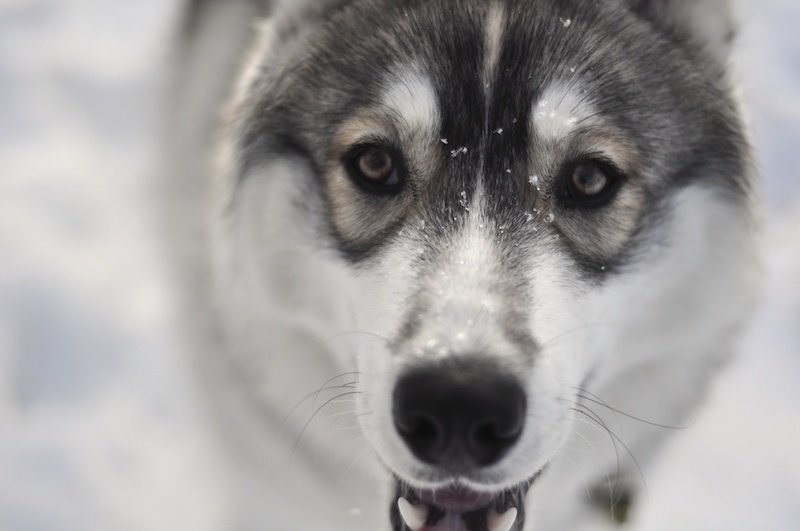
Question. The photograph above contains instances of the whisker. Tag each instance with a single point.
(549, 341)
(608, 476)
(332, 418)
(352, 464)
(349, 427)
(316, 393)
(356, 333)
(625, 446)
(348, 384)
(601, 424)
(582, 451)
(313, 415)
(575, 466)
(603, 403)
(587, 441)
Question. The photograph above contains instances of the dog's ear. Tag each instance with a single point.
(708, 26)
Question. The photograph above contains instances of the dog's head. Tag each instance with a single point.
(508, 200)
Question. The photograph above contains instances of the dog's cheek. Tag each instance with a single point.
(564, 320)
(378, 374)
(378, 304)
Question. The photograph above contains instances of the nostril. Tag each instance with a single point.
(426, 429)
(421, 432)
(488, 440)
(419, 426)
(485, 432)
(483, 437)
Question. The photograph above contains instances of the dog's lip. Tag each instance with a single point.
(457, 507)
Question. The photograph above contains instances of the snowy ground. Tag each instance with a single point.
(98, 429)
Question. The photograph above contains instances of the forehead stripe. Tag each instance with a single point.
(494, 32)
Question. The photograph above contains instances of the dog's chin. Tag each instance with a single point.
(456, 506)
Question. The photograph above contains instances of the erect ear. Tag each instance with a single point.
(707, 25)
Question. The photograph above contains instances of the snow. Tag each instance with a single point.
(99, 425)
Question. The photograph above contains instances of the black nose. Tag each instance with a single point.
(460, 416)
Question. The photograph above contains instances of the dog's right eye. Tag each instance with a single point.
(375, 168)
(590, 184)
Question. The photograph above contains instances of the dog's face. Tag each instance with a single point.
(514, 197)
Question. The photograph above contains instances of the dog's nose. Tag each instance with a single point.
(459, 417)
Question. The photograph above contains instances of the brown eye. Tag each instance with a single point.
(376, 165)
(589, 180)
(375, 168)
(590, 184)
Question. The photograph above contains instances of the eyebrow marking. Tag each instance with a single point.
(412, 100)
(562, 109)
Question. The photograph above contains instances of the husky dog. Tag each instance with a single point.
(509, 240)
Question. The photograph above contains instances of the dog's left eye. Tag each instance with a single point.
(590, 184)
(375, 168)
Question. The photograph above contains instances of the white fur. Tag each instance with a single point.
(562, 108)
(412, 99)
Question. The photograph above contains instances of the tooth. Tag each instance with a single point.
(502, 522)
(414, 516)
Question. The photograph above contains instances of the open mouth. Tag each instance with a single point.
(458, 508)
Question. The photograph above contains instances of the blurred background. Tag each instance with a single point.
(100, 428)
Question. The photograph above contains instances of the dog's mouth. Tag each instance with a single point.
(458, 508)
